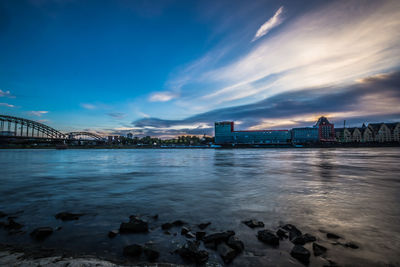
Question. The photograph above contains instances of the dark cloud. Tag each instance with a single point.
(290, 104)
(116, 115)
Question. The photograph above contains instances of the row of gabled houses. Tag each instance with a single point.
(374, 132)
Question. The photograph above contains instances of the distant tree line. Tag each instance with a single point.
(180, 140)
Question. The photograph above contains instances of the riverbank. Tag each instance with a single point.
(12, 256)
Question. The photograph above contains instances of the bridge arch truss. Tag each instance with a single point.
(18, 127)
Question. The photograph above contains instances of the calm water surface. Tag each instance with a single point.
(352, 192)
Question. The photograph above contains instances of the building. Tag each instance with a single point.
(226, 134)
(305, 135)
(326, 130)
(380, 132)
(343, 135)
(395, 130)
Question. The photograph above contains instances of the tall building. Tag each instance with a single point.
(326, 130)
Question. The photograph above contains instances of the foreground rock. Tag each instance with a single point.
(293, 231)
(190, 251)
(332, 236)
(300, 253)
(253, 223)
(226, 252)
(12, 225)
(268, 237)
(235, 243)
(151, 253)
(318, 249)
(133, 250)
(135, 225)
(203, 226)
(41, 233)
(113, 233)
(212, 240)
(67, 216)
(2, 214)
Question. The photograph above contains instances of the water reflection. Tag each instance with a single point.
(351, 192)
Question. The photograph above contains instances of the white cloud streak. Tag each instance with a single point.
(6, 105)
(88, 106)
(38, 113)
(274, 21)
(6, 94)
(162, 97)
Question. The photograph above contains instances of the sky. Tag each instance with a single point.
(174, 67)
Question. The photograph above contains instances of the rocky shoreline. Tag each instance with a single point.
(200, 244)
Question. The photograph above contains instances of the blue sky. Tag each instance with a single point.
(174, 67)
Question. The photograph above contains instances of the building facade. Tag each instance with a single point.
(326, 130)
(305, 135)
(225, 134)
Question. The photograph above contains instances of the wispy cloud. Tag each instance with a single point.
(7, 105)
(88, 106)
(117, 115)
(162, 96)
(274, 21)
(6, 94)
(374, 98)
(332, 45)
(37, 113)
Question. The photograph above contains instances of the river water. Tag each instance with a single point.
(354, 193)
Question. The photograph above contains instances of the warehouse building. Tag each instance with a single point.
(226, 134)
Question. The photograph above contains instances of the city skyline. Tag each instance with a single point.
(166, 68)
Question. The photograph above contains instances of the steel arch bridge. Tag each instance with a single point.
(20, 128)
(23, 128)
(75, 135)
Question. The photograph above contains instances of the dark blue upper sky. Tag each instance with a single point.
(106, 65)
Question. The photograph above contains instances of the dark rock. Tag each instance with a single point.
(330, 263)
(113, 233)
(298, 240)
(226, 252)
(281, 234)
(58, 228)
(268, 237)
(309, 238)
(136, 225)
(178, 223)
(133, 250)
(41, 233)
(293, 231)
(67, 216)
(190, 235)
(203, 226)
(218, 237)
(167, 232)
(211, 245)
(155, 217)
(190, 251)
(332, 236)
(253, 223)
(200, 235)
(184, 230)
(151, 253)
(166, 226)
(318, 249)
(351, 245)
(235, 243)
(2, 214)
(300, 253)
(13, 225)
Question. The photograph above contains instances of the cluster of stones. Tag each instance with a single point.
(225, 243)
(291, 232)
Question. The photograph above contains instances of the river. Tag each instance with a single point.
(354, 193)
